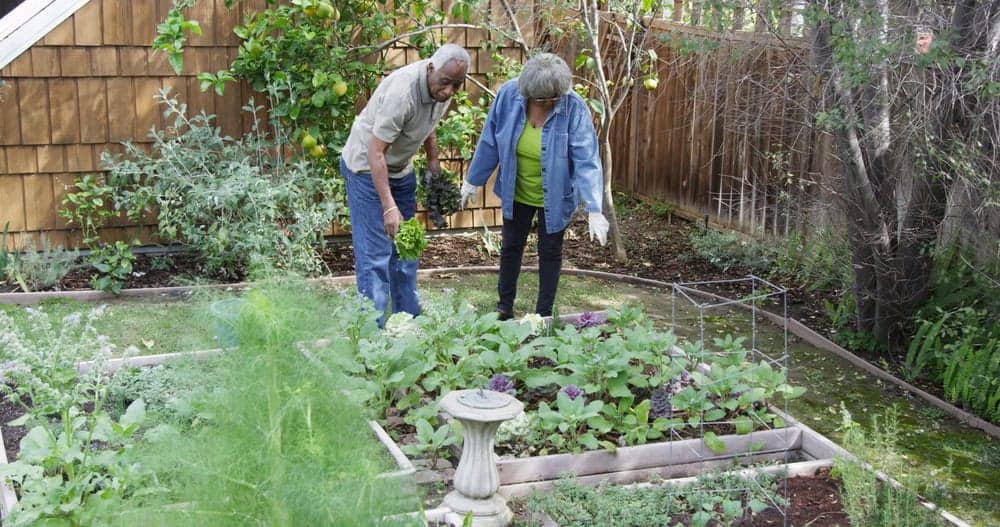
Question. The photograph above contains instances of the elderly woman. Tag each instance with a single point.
(541, 135)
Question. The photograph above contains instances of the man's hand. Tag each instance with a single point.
(598, 227)
(469, 192)
(391, 218)
(433, 164)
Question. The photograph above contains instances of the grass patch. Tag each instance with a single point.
(169, 326)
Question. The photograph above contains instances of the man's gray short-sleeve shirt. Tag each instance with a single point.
(402, 114)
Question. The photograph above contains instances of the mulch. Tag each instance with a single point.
(658, 248)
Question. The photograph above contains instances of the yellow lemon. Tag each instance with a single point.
(340, 88)
(651, 83)
(317, 151)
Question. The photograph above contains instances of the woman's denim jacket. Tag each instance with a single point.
(571, 168)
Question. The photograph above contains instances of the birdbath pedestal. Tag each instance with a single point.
(476, 479)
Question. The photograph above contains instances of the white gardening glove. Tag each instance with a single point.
(598, 227)
(469, 192)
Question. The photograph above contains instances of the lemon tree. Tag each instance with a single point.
(313, 59)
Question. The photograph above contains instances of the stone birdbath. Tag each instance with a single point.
(476, 479)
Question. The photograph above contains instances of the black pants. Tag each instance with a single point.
(515, 235)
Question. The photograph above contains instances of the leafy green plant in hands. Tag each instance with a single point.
(410, 240)
(441, 195)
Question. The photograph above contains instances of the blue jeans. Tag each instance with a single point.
(379, 271)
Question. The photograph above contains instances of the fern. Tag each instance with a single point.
(973, 376)
(924, 346)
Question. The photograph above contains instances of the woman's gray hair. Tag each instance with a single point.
(545, 75)
(448, 53)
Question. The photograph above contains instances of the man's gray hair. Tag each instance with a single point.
(448, 53)
(545, 75)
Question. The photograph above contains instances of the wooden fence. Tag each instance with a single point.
(726, 134)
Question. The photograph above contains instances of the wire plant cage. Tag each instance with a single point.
(727, 317)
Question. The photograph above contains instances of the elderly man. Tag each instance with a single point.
(377, 166)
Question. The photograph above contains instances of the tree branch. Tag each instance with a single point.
(518, 34)
(382, 46)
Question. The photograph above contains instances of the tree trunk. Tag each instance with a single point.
(895, 202)
(614, 232)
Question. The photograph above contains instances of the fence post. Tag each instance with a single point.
(761, 22)
(739, 15)
(695, 11)
(678, 13)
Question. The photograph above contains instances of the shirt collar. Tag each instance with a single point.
(422, 88)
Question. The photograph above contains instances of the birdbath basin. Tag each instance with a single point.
(476, 479)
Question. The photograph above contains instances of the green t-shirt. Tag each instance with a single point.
(528, 189)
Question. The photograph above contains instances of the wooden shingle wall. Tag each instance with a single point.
(89, 85)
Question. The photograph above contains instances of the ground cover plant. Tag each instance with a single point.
(714, 498)
(956, 461)
(71, 468)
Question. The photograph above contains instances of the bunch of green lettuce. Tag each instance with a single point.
(410, 240)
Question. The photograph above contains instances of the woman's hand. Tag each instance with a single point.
(598, 227)
(469, 192)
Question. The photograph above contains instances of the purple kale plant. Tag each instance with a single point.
(572, 391)
(501, 383)
(659, 403)
(589, 319)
